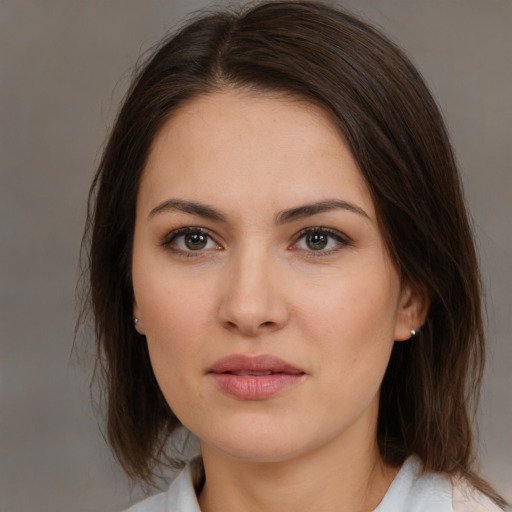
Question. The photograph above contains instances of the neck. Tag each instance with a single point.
(340, 477)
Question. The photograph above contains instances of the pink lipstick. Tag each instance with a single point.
(254, 377)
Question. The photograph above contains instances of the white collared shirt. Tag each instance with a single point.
(410, 491)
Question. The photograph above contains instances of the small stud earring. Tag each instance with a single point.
(413, 332)
(135, 321)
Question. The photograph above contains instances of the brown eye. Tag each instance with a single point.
(188, 240)
(320, 240)
(196, 241)
(317, 241)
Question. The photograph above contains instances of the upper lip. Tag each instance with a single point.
(259, 363)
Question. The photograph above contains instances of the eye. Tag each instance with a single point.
(320, 240)
(190, 239)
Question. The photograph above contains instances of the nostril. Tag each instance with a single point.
(229, 324)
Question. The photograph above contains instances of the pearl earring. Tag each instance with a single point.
(135, 321)
(413, 332)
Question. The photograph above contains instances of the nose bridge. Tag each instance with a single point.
(252, 301)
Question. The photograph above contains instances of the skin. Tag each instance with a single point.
(259, 286)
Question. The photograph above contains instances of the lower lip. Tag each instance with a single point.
(255, 387)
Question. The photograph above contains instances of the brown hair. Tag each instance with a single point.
(396, 135)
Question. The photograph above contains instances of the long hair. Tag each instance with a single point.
(397, 137)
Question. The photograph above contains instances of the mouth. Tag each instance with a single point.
(254, 377)
(244, 373)
(254, 366)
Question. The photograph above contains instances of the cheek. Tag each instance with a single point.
(179, 319)
(173, 335)
(169, 303)
(174, 319)
(160, 305)
(356, 348)
(352, 324)
(359, 308)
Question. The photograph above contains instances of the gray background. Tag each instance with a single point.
(64, 66)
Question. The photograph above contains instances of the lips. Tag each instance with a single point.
(254, 364)
(254, 377)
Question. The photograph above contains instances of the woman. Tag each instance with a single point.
(281, 262)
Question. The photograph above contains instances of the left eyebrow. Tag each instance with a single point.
(308, 210)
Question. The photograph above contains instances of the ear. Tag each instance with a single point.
(412, 312)
(137, 320)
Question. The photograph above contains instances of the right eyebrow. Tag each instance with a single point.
(201, 210)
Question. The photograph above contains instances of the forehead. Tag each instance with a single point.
(232, 145)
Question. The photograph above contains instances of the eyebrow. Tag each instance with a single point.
(308, 210)
(199, 209)
(282, 217)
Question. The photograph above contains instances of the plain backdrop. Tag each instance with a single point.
(64, 66)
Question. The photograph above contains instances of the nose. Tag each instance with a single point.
(253, 301)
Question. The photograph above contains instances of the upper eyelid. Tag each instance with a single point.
(171, 235)
(328, 231)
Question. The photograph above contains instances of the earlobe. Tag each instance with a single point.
(412, 312)
(137, 323)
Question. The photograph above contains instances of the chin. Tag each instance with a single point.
(258, 443)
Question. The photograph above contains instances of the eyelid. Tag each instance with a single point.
(175, 233)
(340, 237)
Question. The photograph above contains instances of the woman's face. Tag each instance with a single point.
(261, 279)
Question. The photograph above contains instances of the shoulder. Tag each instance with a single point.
(466, 498)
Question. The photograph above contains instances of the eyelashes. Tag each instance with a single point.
(196, 241)
(190, 239)
(319, 239)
